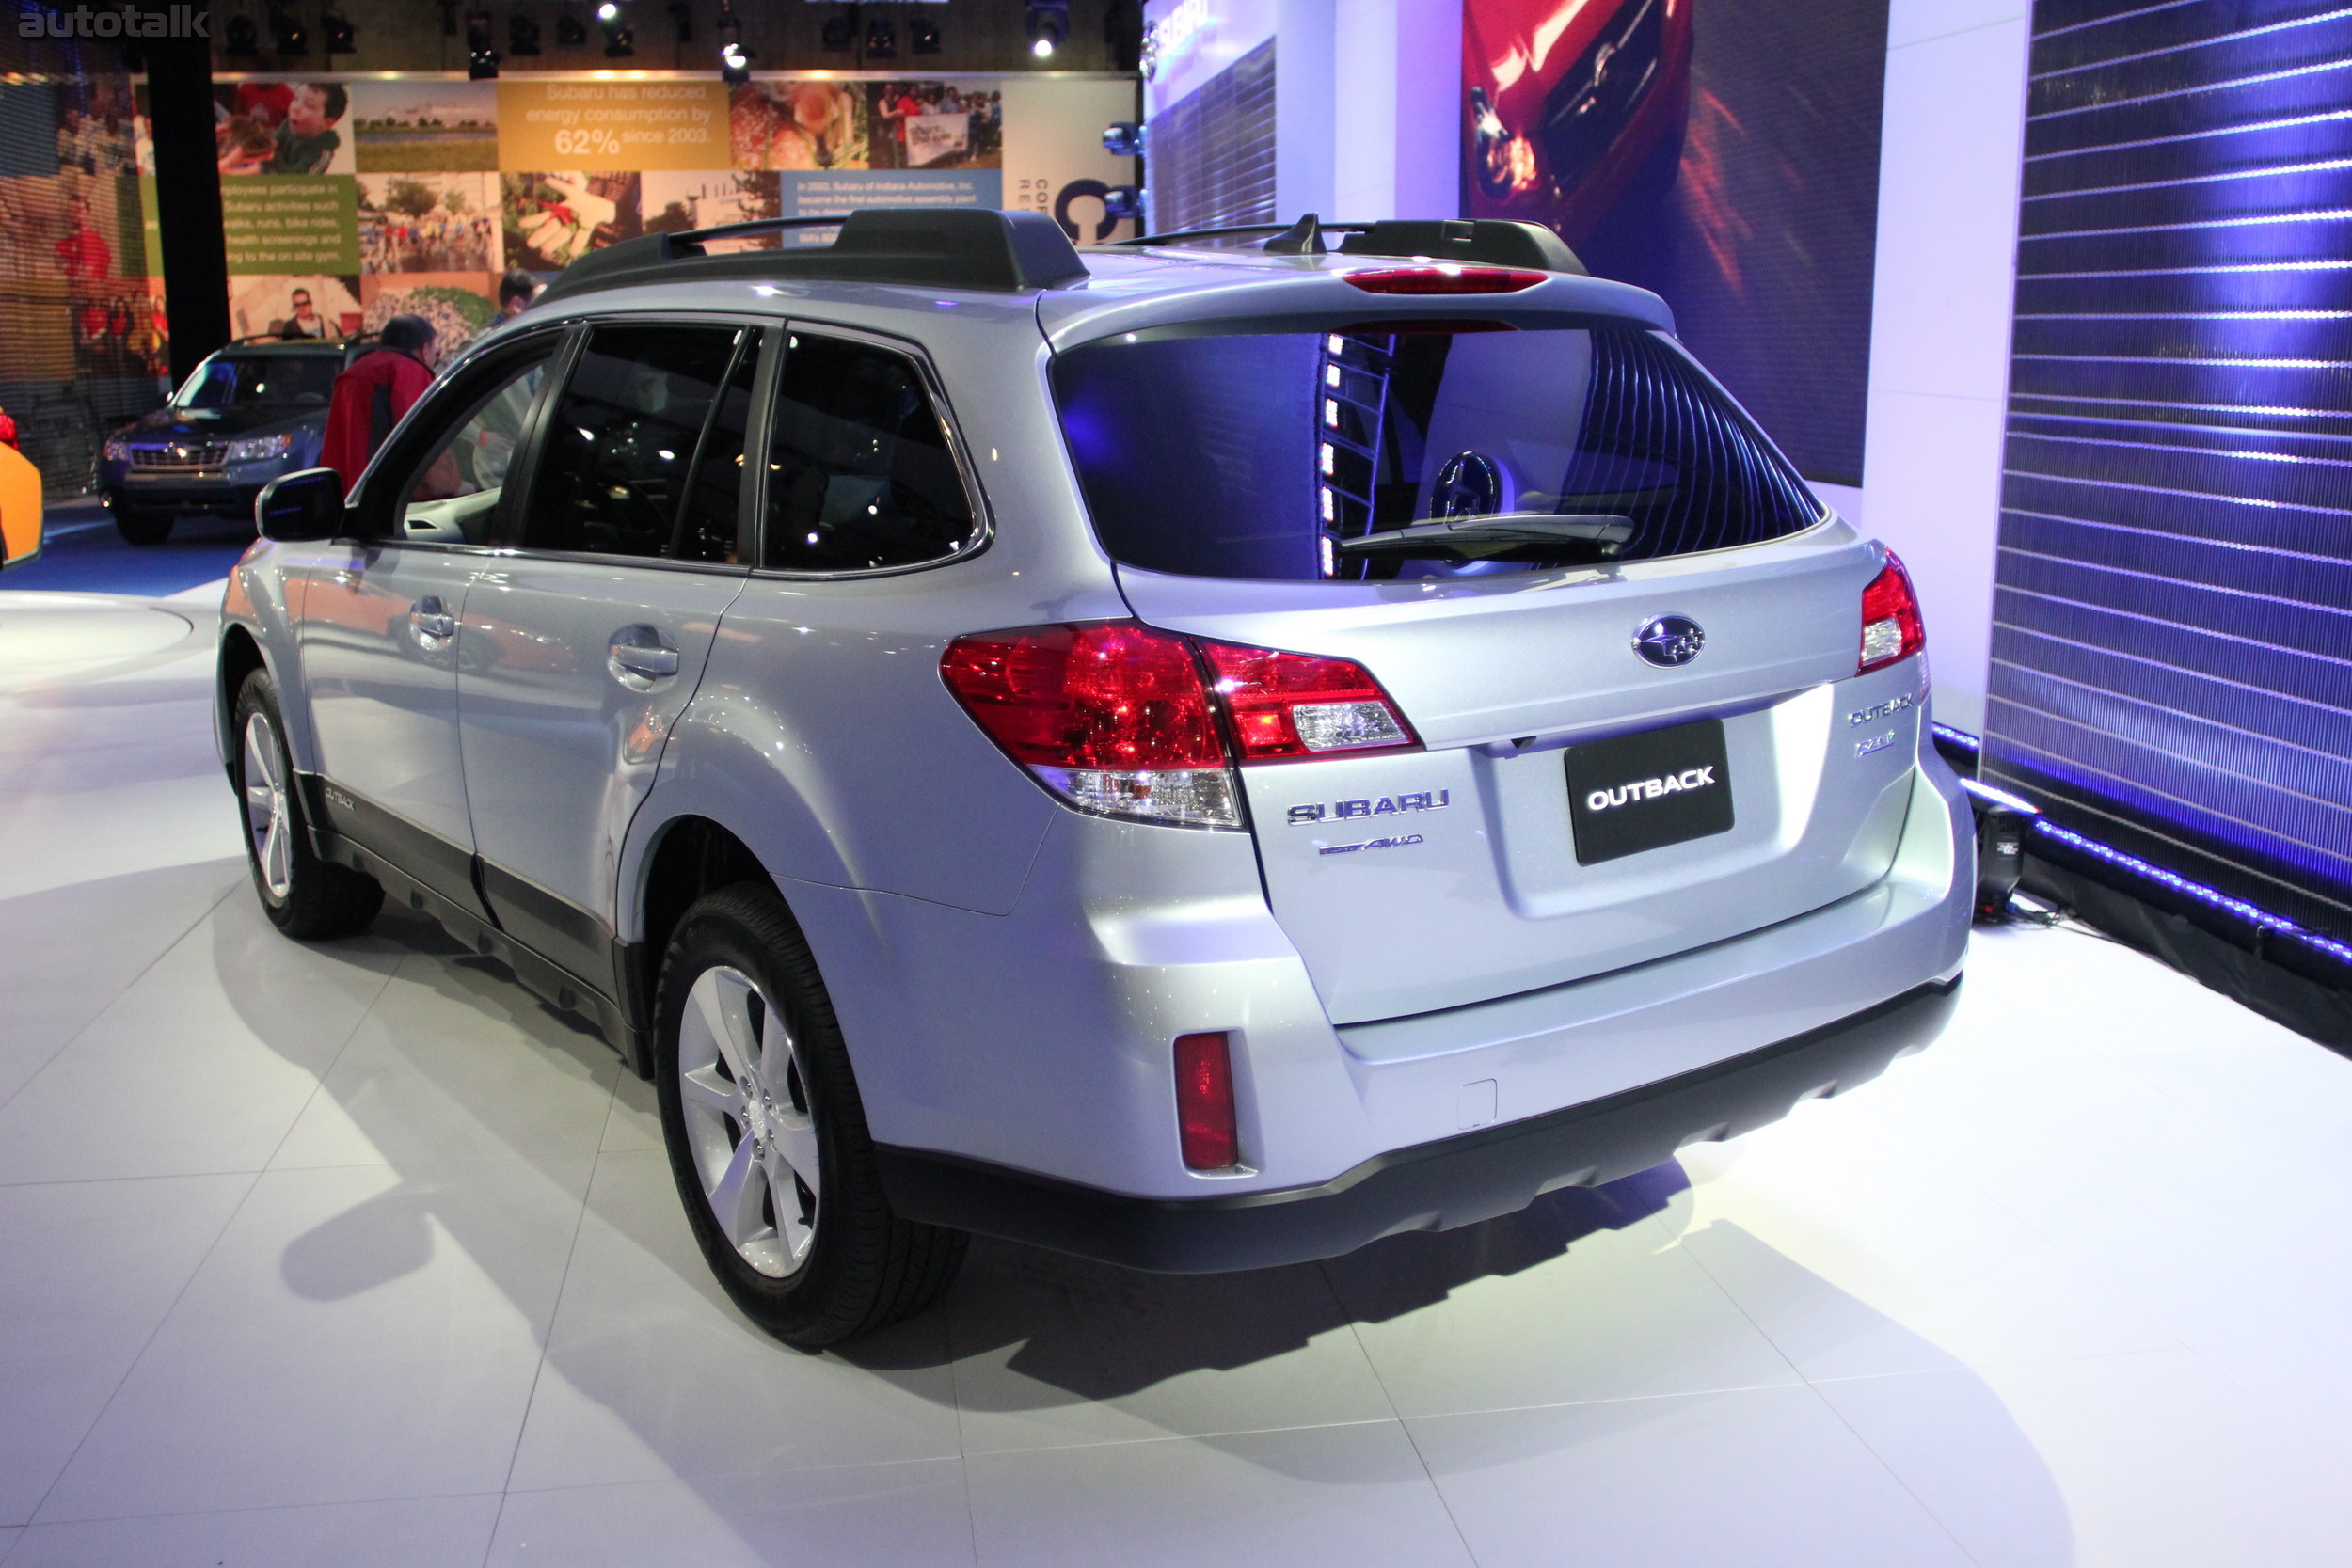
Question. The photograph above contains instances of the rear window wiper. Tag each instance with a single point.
(1567, 537)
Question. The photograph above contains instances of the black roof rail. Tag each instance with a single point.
(962, 247)
(1491, 242)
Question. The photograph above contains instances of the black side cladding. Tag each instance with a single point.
(977, 248)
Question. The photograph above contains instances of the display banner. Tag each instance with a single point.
(353, 200)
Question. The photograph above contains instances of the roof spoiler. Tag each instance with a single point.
(963, 247)
(1485, 242)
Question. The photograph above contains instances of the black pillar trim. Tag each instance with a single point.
(187, 198)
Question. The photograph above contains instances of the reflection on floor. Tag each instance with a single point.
(355, 1255)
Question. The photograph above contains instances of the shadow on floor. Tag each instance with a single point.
(82, 553)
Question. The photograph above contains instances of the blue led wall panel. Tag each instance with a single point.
(1210, 160)
(2173, 639)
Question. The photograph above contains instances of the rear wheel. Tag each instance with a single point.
(303, 896)
(142, 528)
(767, 1134)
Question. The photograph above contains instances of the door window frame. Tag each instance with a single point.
(507, 528)
(368, 521)
(983, 519)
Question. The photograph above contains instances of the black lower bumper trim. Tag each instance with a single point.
(1435, 1186)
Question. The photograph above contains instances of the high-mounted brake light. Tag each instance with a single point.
(1891, 627)
(1121, 719)
(1301, 704)
(1204, 1102)
(1444, 278)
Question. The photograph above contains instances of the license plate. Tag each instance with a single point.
(1638, 792)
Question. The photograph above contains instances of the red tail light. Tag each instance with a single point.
(1300, 705)
(1444, 278)
(1891, 627)
(1119, 718)
(1204, 1102)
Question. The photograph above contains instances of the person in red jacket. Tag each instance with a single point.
(372, 395)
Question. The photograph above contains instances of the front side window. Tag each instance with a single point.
(621, 439)
(1377, 450)
(262, 381)
(860, 475)
(450, 496)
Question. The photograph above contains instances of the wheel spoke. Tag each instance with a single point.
(706, 1091)
(277, 852)
(735, 1197)
(796, 1151)
(795, 1230)
(720, 996)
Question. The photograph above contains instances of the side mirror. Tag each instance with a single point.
(301, 506)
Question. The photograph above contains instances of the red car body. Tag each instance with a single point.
(1566, 101)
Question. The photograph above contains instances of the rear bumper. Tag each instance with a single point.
(1435, 1186)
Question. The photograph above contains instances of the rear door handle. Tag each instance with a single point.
(430, 621)
(642, 655)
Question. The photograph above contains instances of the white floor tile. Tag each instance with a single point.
(2148, 1461)
(651, 1373)
(1053, 1350)
(1759, 1477)
(203, 1064)
(90, 1269)
(1857, 1255)
(357, 1334)
(904, 1515)
(1348, 1497)
(456, 1061)
(426, 1532)
(1613, 1314)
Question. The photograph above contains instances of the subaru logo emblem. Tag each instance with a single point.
(1670, 641)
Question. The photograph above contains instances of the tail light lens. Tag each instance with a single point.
(1204, 1102)
(1120, 720)
(1891, 627)
(1112, 716)
(1444, 278)
(1300, 705)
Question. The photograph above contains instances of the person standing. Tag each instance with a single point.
(370, 396)
(517, 289)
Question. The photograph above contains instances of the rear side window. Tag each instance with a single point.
(1259, 454)
(860, 476)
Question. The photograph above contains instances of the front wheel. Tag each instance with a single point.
(142, 528)
(767, 1134)
(303, 896)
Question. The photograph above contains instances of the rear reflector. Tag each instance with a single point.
(1891, 627)
(1444, 278)
(1302, 704)
(1204, 1102)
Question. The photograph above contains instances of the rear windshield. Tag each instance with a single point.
(262, 380)
(1259, 454)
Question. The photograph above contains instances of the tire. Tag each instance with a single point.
(143, 528)
(768, 1130)
(303, 896)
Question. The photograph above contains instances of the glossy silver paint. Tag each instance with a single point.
(1008, 974)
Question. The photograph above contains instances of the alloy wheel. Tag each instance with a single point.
(748, 1120)
(268, 814)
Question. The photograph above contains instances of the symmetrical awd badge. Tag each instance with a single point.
(1669, 642)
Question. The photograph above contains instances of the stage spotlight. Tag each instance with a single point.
(342, 37)
(289, 35)
(522, 36)
(735, 65)
(569, 33)
(839, 34)
(881, 40)
(482, 60)
(1049, 26)
(922, 36)
(1122, 201)
(620, 39)
(241, 39)
(1123, 138)
(482, 65)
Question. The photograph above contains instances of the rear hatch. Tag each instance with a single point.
(1640, 728)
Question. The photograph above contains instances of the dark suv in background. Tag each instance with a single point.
(251, 412)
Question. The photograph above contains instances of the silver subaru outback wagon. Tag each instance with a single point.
(1198, 754)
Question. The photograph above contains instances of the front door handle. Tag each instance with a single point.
(431, 623)
(638, 657)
